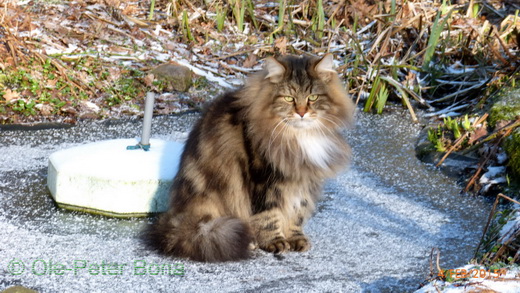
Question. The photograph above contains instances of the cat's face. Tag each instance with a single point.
(301, 98)
(301, 107)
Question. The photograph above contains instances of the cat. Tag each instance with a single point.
(255, 162)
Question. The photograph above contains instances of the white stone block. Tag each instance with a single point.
(106, 178)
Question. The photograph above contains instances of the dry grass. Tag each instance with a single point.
(425, 54)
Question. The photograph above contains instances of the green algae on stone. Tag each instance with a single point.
(18, 289)
(512, 148)
(506, 107)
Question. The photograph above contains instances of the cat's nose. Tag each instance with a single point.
(301, 111)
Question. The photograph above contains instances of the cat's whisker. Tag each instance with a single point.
(335, 120)
(287, 138)
(331, 131)
(281, 140)
(321, 126)
(332, 119)
(271, 138)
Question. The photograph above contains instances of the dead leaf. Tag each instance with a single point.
(114, 73)
(410, 80)
(113, 3)
(11, 96)
(170, 46)
(137, 33)
(51, 83)
(148, 80)
(83, 76)
(250, 61)
(130, 10)
(281, 44)
(477, 134)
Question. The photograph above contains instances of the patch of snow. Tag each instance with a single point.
(508, 283)
(511, 228)
(449, 111)
(494, 175)
(459, 68)
(210, 76)
(501, 157)
(163, 57)
(495, 171)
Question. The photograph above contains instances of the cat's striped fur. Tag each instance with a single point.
(254, 164)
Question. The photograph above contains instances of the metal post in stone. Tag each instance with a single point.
(147, 123)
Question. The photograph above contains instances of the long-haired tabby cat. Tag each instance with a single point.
(254, 164)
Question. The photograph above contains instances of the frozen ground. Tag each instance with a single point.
(373, 231)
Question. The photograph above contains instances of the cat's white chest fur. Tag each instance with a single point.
(317, 149)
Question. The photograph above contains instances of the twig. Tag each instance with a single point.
(493, 135)
(504, 46)
(488, 157)
(491, 214)
(432, 273)
(236, 53)
(452, 148)
(455, 94)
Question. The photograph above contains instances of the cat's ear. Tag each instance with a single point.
(325, 67)
(275, 70)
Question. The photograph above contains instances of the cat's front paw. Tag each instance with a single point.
(299, 243)
(277, 246)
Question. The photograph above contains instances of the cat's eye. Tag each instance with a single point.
(313, 98)
(288, 99)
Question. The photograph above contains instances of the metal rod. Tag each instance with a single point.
(147, 121)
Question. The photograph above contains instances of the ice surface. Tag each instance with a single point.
(372, 232)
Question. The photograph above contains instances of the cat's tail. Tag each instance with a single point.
(200, 238)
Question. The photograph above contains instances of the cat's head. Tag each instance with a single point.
(306, 92)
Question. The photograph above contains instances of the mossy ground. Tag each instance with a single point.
(512, 148)
(506, 106)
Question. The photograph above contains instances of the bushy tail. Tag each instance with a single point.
(200, 239)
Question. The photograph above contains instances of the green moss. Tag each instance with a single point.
(512, 148)
(102, 212)
(506, 107)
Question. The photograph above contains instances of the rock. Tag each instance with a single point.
(89, 107)
(88, 110)
(506, 107)
(45, 109)
(174, 77)
(69, 109)
(512, 148)
(423, 147)
(454, 165)
(19, 289)
(88, 116)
